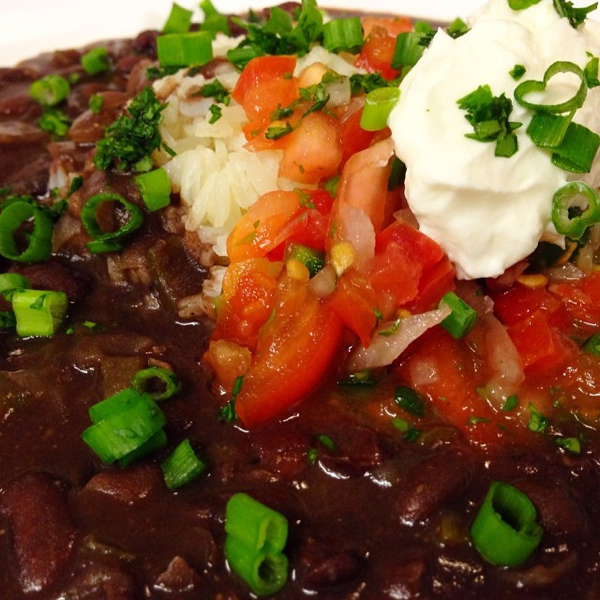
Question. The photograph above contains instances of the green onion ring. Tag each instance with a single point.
(505, 531)
(40, 241)
(531, 85)
(171, 382)
(570, 195)
(110, 240)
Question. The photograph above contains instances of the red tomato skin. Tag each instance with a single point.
(453, 391)
(295, 349)
(519, 302)
(353, 137)
(542, 348)
(377, 53)
(355, 302)
(265, 84)
(403, 258)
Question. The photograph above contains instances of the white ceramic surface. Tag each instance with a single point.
(28, 27)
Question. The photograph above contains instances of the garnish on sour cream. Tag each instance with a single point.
(488, 212)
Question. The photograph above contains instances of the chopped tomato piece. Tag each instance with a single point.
(265, 84)
(403, 255)
(453, 389)
(247, 300)
(312, 151)
(393, 25)
(434, 283)
(260, 230)
(353, 137)
(295, 349)
(364, 183)
(581, 300)
(355, 302)
(229, 360)
(540, 345)
(377, 53)
(518, 302)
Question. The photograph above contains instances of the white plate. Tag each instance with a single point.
(28, 27)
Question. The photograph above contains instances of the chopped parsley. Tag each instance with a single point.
(227, 412)
(131, 139)
(489, 116)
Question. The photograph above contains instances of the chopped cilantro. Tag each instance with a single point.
(278, 35)
(576, 16)
(517, 72)
(571, 444)
(131, 139)
(510, 403)
(96, 102)
(216, 113)
(368, 82)
(537, 421)
(489, 116)
(215, 89)
(227, 412)
(409, 400)
(7, 320)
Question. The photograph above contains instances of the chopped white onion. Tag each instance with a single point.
(385, 349)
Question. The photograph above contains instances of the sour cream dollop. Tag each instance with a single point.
(487, 212)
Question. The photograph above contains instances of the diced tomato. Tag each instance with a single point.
(353, 137)
(311, 227)
(435, 281)
(393, 25)
(541, 346)
(453, 389)
(377, 53)
(405, 265)
(229, 361)
(355, 302)
(260, 230)
(312, 151)
(265, 84)
(581, 300)
(519, 301)
(295, 349)
(364, 183)
(247, 300)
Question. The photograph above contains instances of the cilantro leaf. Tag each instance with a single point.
(133, 136)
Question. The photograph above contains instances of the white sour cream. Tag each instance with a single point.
(486, 212)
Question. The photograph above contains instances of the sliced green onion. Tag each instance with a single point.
(591, 72)
(182, 466)
(505, 530)
(110, 240)
(155, 188)
(122, 424)
(409, 400)
(39, 245)
(581, 197)
(54, 121)
(96, 61)
(179, 20)
(214, 21)
(38, 312)
(256, 536)
(521, 4)
(547, 130)
(12, 282)
(50, 90)
(462, 318)
(343, 35)
(184, 49)
(410, 45)
(578, 149)
(312, 259)
(166, 379)
(154, 443)
(378, 106)
(569, 105)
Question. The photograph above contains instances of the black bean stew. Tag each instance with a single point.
(373, 512)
